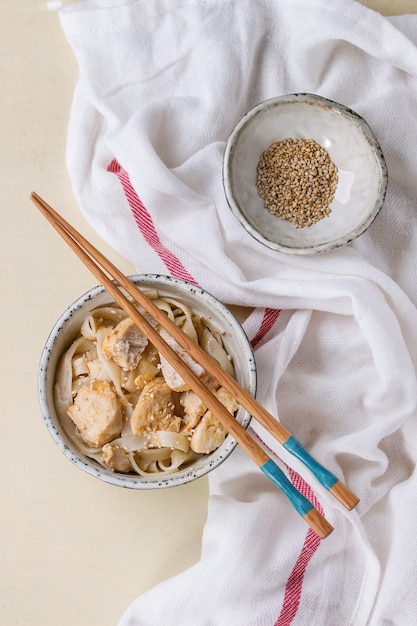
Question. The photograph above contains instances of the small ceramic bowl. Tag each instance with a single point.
(350, 144)
(67, 328)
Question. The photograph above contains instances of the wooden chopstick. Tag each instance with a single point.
(277, 430)
(89, 255)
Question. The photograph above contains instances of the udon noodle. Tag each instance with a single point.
(123, 405)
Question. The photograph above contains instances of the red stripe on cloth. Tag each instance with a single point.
(294, 584)
(295, 581)
(146, 226)
(268, 320)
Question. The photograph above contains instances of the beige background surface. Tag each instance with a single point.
(73, 550)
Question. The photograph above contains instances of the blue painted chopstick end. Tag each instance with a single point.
(277, 476)
(323, 475)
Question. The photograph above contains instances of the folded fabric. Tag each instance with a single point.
(161, 86)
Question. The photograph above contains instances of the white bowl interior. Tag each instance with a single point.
(351, 146)
(67, 328)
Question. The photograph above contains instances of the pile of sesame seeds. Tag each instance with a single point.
(297, 181)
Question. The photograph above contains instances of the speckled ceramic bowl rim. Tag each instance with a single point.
(349, 114)
(134, 481)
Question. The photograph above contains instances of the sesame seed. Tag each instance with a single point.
(297, 181)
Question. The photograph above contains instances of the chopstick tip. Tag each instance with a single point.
(318, 523)
(344, 495)
(34, 197)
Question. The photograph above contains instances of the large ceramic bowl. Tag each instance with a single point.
(67, 328)
(351, 146)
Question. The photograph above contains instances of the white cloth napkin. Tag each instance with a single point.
(162, 84)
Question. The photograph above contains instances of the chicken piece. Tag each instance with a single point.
(96, 369)
(192, 405)
(125, 344)
(97, 413)
(116, 458)
(148, 367)
(227, 400)
(194, 408)
(80, 366)
(190, 401)
(188, 423)
(172, 378)
(155, 409)
(208, 435)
